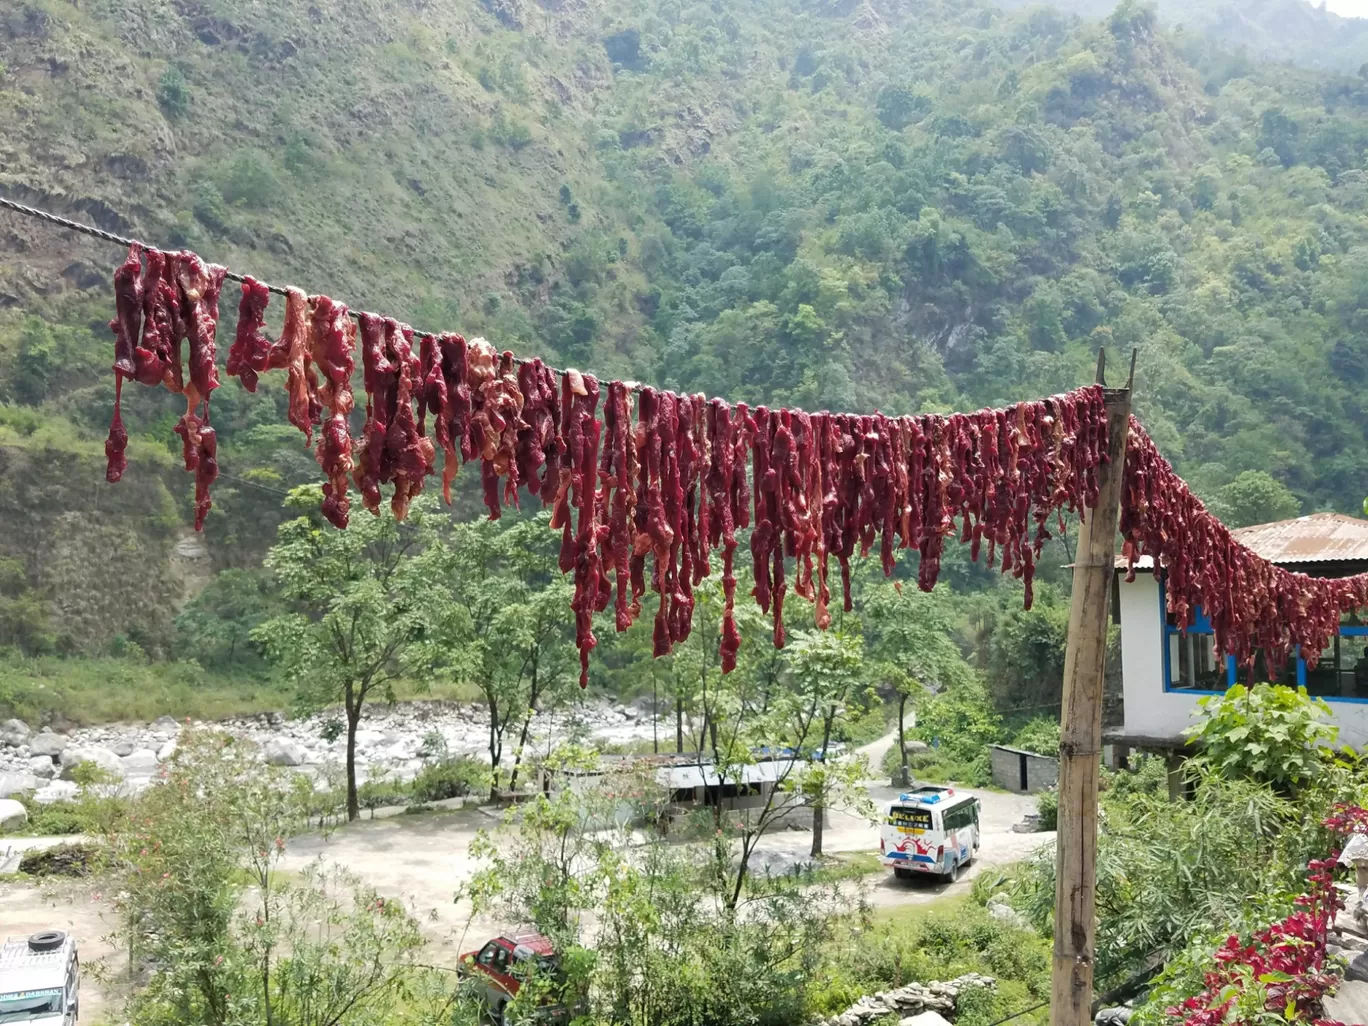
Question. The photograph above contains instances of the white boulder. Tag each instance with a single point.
(42, 766)
(167, 750)
(17, 783)
(56, 791)
(166, 725)
(142, 762)
(122, 748)
(101, 758)
(280, 751)
(14, 733)
(13, 815)
(925, 1019)
(45, 742)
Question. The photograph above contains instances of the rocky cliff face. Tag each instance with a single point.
(108, 559)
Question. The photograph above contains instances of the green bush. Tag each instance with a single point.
(1047, 804)
(1269, 732)
(451, 778)
(173, 94)
(1040, 735)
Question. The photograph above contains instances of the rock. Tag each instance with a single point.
(102, 758)
(17, 783)
(917, 747)
(281, 751)
(13, 815)
(42, 766)
(14, 733)
(369, 737)
(1006, 914)
(45, 742)
(166, 724)
(167, 750)
(142, 762)
(56, 791)
(1113, 1017)
(122, 748)
(925, 1019)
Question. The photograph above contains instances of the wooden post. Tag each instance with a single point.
(1080, 746)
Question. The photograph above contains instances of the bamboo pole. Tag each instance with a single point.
(1080, 746)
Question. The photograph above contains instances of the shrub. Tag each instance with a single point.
(451, 778)
(1269, 732)
(173, 94)
(1040, 735)
(1047, 804)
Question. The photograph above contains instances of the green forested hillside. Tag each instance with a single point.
(824, 202)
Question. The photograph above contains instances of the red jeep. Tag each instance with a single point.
(499, 968)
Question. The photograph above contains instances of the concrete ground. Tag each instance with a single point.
(424, 859)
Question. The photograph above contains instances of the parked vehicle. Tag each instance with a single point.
(40, 980)
(930, 829)
(499, 969)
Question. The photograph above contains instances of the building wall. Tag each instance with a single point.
(1042, 771)
(1152, 710)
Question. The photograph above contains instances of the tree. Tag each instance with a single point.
(202, 901)
(826, 666)
(371, 605)
(216, 625)
(1254, 497)
(909, 638)
(507, 578)
(898, 106)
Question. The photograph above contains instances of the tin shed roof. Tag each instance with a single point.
(1315, 538)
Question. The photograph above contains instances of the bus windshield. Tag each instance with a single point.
(21, 1006)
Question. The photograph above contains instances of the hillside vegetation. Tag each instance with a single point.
(832, 203)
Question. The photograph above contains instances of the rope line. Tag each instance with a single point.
(279, 290)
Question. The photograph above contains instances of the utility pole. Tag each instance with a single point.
(1080, 746)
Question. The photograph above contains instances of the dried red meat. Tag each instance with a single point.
(251, 349)
(332, 341)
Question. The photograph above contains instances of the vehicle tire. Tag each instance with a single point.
(497, 1013)
(48, 940)
(952, 874)
(901, 873)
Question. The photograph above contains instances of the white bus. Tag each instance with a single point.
(930, 829)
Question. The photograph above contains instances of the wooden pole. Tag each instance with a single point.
(1080, 746)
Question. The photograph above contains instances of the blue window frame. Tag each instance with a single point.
(1190, 665)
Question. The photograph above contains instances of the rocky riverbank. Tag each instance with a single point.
(391, 741)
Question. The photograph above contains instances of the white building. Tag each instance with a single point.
(1164, 671)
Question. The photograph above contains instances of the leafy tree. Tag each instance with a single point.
(908, 632)
(1268, 732)
(216, 624)
(1255, 497)
(507, 578)
(827, 667)
(898, 106)
(202, 900)
(370, 605)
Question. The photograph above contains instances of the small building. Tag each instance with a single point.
(1165, 671)
(1024, 772)
(691, 782)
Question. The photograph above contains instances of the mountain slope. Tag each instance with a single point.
(843, 203)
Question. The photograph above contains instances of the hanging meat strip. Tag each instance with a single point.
(251, 349)
(537, 434)
(408, 454)
(379, 375)
(199, 292)
(332, 336)
(582, 439)
(618, 497)
(126, 325)
(293, 352)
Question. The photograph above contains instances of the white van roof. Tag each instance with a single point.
(22, 968)
(933, 796)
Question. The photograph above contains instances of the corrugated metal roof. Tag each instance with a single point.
(1318, 538)
(1315, 538)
